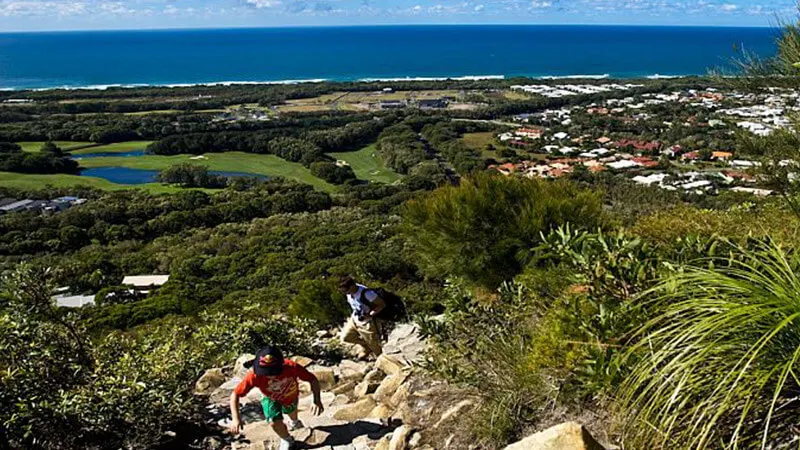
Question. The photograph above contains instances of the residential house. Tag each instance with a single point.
(754, 191)
(603, 140)
(432, 103)
(392, 104)
(622, 165)
(145, 282)
(73, 301)
(721, 156)
(18, 205)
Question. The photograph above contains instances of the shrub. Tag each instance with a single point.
(495, 363)
(320, 301)
(717, 364)
(117, 390)
(331, 172)
(191, 175)
(483, 229)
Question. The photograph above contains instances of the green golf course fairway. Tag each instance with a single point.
(367, 165)
(35, 146)
(119, 147)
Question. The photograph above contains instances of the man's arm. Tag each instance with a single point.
(317, 409)
(236, 424)
(377, 306)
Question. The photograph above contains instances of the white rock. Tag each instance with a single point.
(239, 370)
(400, 438)
(567, 436)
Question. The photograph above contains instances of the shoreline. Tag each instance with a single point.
(576, 77)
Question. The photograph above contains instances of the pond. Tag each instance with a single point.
(122, 175)
(126, 175)
(111, 154)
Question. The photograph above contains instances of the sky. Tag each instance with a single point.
(44, 15)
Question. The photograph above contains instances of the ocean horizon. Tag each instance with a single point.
(180, 57)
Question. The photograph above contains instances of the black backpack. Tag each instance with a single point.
(395, 310)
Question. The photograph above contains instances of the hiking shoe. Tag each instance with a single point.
(295, 425)
(286, 445)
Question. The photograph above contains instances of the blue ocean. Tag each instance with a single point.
(174, 57)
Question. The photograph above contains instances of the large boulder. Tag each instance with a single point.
(365, 387)
(452, 412)
(381, 412)
(326, 377)
(567, 436)
(211, 379)
(399, 439)
(344, 388)
(242, 365)
(356, 411)
(390, 365)
(405, 343)
(353, 370)
(304, 361)
(389, 385)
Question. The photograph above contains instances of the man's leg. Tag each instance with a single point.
(370, 334)
(273, 411)
(280, 429)
(351, 335)
(294, 422)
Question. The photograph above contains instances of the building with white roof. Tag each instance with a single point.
(74, 301)
(145, 281)
(623, 164)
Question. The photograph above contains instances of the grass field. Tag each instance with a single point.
(353, 101)
(479, 141)
(34, 146)
(119, 147)
(268, 165)
(367, 165)
(35, 182)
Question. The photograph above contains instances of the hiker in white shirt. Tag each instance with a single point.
(362, 327)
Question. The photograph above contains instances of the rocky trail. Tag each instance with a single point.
(388, 404)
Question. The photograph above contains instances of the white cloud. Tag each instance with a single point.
(729, 7)
(116, 8)
(478, 8)
(539, 4)
(263, 3)
(42, 8)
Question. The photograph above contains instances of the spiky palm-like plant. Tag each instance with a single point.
(718, 365)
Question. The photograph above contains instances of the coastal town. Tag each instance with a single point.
(557, 142)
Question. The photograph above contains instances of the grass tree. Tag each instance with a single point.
(718, 365)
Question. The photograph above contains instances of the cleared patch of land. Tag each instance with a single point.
(35, 146)
(174, 111)
(368, 165)
(119, 147)
(480, 142)
(516, 95)
(353, 101)
(269, 165)
(31, 182)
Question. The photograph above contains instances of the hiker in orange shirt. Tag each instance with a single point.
(276, 377)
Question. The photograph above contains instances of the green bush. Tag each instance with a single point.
(494, 363)
(332, 172)
(320, 301)
(117, 390)
(483, 229)
(716, 365)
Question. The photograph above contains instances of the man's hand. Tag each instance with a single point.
(317, 408)
(235, 427)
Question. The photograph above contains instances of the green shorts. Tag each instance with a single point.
(274, 411)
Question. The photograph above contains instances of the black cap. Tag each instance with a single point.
(268, 362)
